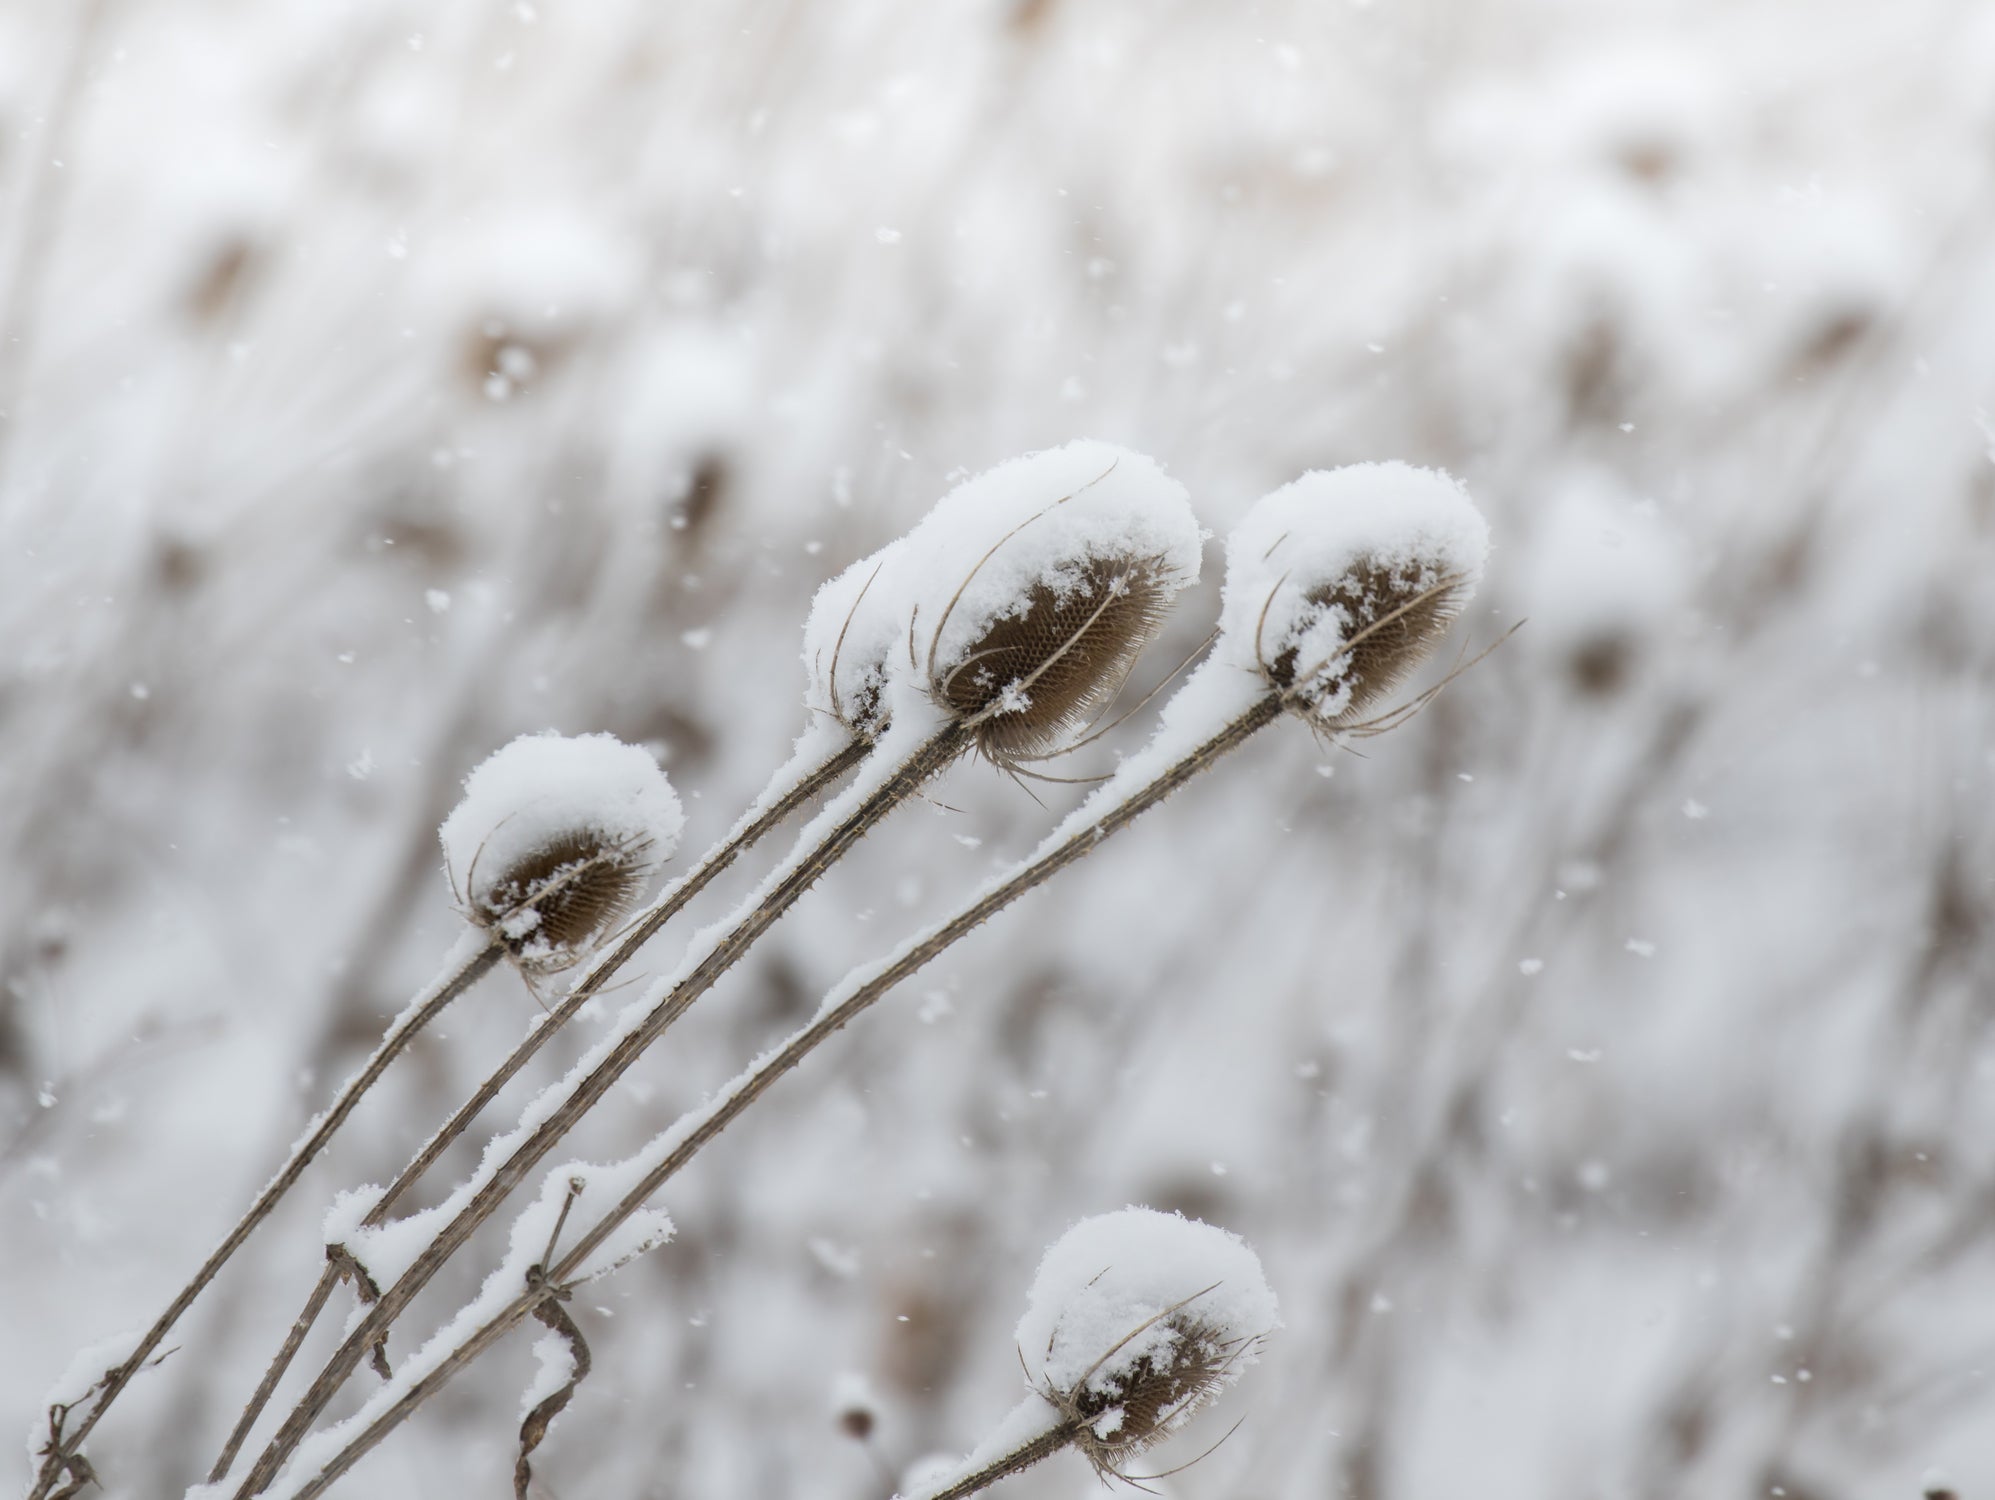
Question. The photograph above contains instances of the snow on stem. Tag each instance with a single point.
(1017, 548)
(819, 760)
(345, 1444)
(468, 962)
(567, 831)
(1342, 580)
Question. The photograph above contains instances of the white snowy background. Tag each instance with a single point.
(1602, 1065)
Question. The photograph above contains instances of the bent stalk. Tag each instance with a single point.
(457, 977)
(869, 805)
(852, 997)
(772, 810)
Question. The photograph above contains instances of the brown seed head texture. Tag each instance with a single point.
(1393, 616)
(1063, 656)
(579, 884)
(1156, 1394)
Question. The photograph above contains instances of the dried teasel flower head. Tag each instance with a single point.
(555, 839)
(1031, 589)
(1136, 1320)
(855, 621)
(1341, 583)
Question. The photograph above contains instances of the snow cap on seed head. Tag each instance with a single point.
(1030, 589)
(555, 838)
(855, 622)
(1136, 1319)
(1339, 584)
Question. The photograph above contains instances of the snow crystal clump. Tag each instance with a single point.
(1339, 583)
(554, 1367)
(556, 837)
(1137, 1318)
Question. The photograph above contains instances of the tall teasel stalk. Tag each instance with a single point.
(1023, 598)
(1337, 587)
(563, 876)
(840, 742)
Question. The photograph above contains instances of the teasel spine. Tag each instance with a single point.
(1056, 1438)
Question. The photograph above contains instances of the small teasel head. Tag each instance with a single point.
(554, 841)
(1339, 585)
(1136, 1320)
(854, 623)
(1032, 588)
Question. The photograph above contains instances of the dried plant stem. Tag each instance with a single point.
(776, 896)
(776, 808)
(1019, 1459)
(859, 991)
(459, 977)
(293, 1341)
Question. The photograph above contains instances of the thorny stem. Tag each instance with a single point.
(641, 930)
(1023, 1457)
(442, 991)
(779, 893)
(716, 1116)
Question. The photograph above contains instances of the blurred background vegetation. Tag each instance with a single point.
(1602, 1064)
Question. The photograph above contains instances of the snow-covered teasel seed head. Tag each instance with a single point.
(1341, 583)
(555, 839)
(1136, 1320)
(855, 622)
(1031, 589)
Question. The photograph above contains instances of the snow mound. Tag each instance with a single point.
(1143, 1309)
(1372, 558)
(854, 624)
(1027, 592)
(976, 556)
(555, 836)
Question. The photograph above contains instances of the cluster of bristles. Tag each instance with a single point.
(1038, 674)
(1390, 617)
(553, 903)
(1118, 1418)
